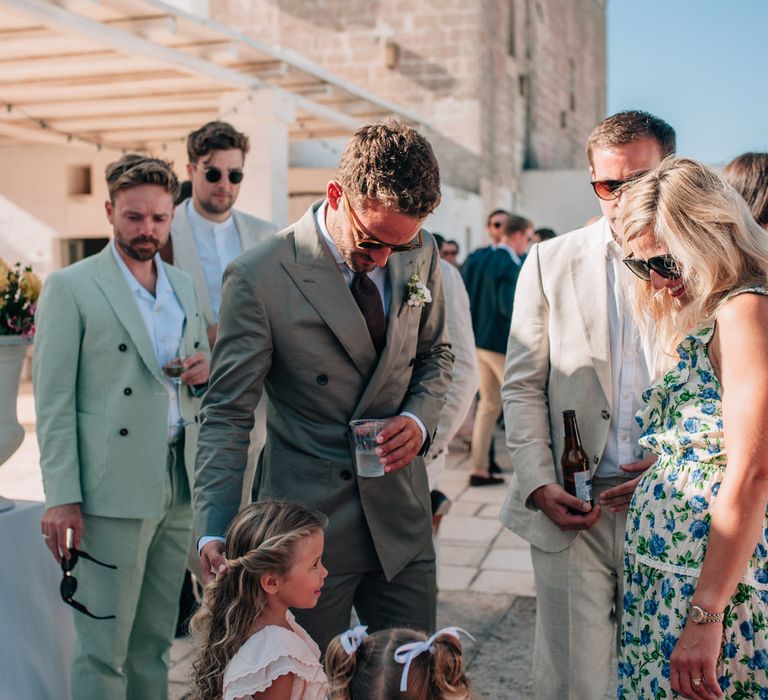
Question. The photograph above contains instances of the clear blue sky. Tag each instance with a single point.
(702, 65)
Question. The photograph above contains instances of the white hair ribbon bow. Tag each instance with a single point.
(406, 653)
(353, 638)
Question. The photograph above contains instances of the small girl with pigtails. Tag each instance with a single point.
(249, 645)
(397, 664)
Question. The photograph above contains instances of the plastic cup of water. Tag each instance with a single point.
(364, 434)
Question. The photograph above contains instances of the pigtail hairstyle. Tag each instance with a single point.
(372, 673)
(260, 540)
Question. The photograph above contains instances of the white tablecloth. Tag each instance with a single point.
(36, 631)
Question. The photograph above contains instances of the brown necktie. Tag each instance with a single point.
(368, 299)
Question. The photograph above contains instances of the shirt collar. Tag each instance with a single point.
(612, 248)
(510, 250)
(163, 285)
(197, 220)
(320, 221)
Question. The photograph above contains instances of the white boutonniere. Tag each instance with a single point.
(418, 293)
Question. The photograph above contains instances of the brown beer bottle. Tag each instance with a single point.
(577, 477)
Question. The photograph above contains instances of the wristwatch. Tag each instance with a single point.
(701, 616)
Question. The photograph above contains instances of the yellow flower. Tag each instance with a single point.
(4, 270)
(30, 285)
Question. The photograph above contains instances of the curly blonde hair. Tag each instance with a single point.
(393, 164)
(708, 229)
(372, 673)
(261, 539)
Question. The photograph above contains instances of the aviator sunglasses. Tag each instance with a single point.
(663, 265)
(610, 189)
(213, 174)
(363, 240)
(69, 582)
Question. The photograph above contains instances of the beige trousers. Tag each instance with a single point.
(579, 597)
(491, 366)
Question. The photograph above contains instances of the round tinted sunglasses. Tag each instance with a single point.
(214, 175)
(663, 265)
(68, 585)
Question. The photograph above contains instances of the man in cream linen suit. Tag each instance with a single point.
(207, 231)
(115, 454)
(573, 345)
(318, 317)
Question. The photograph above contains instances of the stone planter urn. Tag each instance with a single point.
(13, 349)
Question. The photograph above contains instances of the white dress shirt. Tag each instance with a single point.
(512, 254)
(217, 244)
(630, 369)
(164, 319)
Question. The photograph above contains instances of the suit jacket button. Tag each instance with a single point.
(322, 379)
(123, 431)
(122, 347)
(127, 391)
(346, 475)
(604, 413)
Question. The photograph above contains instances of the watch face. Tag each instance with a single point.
(697, 614)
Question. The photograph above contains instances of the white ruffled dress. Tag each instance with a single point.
(273, 652)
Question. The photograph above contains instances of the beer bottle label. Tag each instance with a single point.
(583, 483)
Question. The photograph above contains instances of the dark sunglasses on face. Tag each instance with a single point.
(610, 189)
(363, 240)
(214, 175)
(69, 582)
(663, 265)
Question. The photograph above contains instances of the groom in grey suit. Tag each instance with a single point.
(319, 316)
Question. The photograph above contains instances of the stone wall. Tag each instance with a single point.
(504, 84)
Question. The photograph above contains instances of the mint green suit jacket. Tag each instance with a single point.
(102, 406)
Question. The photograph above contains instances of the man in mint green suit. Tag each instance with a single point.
(117, 437)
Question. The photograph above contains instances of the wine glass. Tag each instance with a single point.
(173, 369)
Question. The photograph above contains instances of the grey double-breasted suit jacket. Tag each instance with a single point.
(290, 325)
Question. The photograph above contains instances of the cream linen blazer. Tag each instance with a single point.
(558, 358)
(252, 231)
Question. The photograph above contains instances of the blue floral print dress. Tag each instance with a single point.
(667, 533)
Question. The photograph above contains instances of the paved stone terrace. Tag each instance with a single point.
(484, 575)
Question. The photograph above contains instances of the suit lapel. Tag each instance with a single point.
(248, 234)
(322, 284)
(187, 304)
(590, 287)
(118, 294)
(185, 258)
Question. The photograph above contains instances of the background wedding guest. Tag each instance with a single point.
(319, 318)
(696, 539)
(491, 288)
(117, 436)
(465, 379)
(543, 234)
(748, 174)
(573, 346)
(207, 231)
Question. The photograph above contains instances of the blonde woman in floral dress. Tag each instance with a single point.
(696, 563)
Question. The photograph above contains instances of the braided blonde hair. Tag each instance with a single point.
(261, 539)
(372, 673)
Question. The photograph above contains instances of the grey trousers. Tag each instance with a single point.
(579, 595)
(408, 600)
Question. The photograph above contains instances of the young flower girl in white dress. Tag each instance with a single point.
(249, 645)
